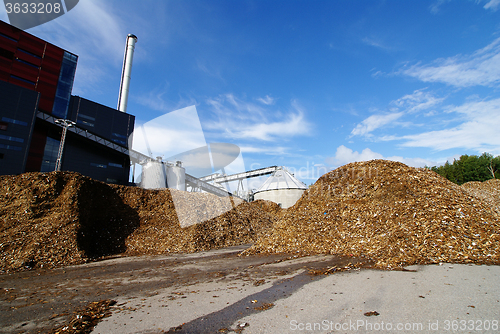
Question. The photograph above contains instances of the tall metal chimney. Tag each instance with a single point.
(126, 72)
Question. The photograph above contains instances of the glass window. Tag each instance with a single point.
(115, 165)
(98, 165)
(89, 118)
(118, 141)
(8, 37)
(119, 135)
(11, 147)
(19, 140)
(30, 53)
(21, 79)
(14, 121)
(27, 63)
(50, 155)
(85, 123)
(64, 85)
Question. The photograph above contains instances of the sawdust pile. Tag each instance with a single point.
(59, 219)
(487, 191)
(160, 231)
(64, 218)
(391, 213)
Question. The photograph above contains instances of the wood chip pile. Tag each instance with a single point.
(160, 231)
(64, 218)
(487, 191)
(391, 213)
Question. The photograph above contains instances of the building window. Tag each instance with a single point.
(98, 165)
(8, 37)
(119, 135)
(118, 141)
(108, 180)
(14, 121)
(21, 79)
(64, 85)
(88, 118)
(80, 121)
(3, 126)
(10, 138)
(27, 63)
(115, 165)
(29, 53)
(50, 155)
(11, 147)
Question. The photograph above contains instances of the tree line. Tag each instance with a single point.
(470, 168)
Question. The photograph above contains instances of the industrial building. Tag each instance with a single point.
(36, 80)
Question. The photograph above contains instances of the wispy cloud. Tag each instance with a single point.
(478, 131)
(435, 7)
(482, 68)
(156, 100)
(376, 43)
(417, 101)
(267, 100)
(374, 122)
(243, 120)
(493, 5)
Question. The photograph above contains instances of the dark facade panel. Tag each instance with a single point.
(106, 122)
(95, 161)
(17, 116)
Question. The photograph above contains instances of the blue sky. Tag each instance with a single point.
(311, 85)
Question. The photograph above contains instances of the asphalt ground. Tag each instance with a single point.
(221, 292)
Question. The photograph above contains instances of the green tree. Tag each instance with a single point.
(470, 168)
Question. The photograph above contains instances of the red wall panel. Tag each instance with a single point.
(28, 58)
(24, 71)
(31, 44)
(7, 44)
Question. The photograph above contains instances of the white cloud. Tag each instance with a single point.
(155, 101)
(494, 5)
(374, 122)
(478, 132)
(268, 100)
(482, 68)
(345, 155)
(376, 43)
(238, 119)
(435, 7)
(417, 101)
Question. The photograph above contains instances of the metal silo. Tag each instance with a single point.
(176, 176)
(281, 188)
(153, 175)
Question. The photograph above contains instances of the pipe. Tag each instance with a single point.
(126, 72)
